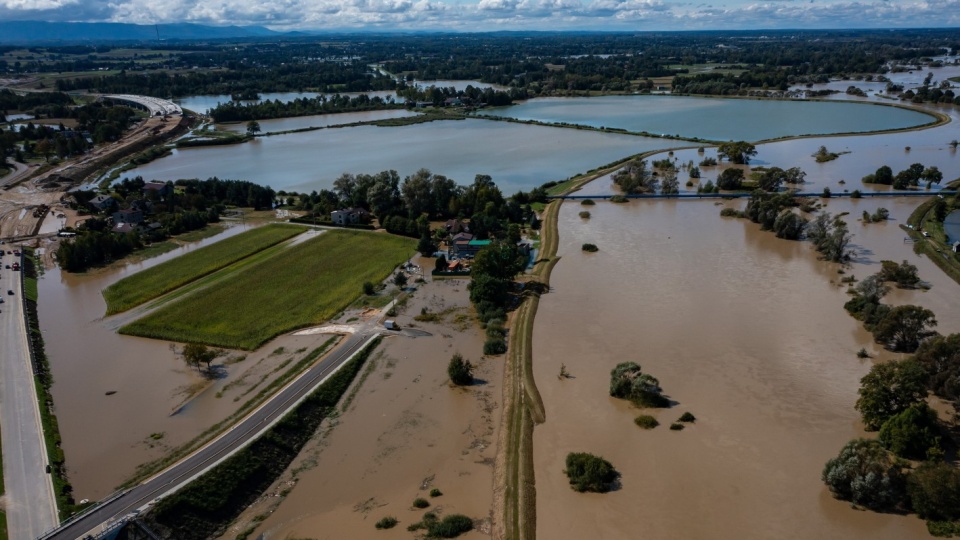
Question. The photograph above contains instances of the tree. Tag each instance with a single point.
(738, 152)
(195, 354)
(501, 260)
(932, 175)
(912, 434)
(627, 381)
(425, 245)
(253, 127)
(904, 275)
(889, 389)
(771, 179)
(440, 264)
(934, 491)
(460, 371)
(669, 185)
(730, 179)
(588, 472)
(940, 356)
(789, 225)
(369, 289)
(904, 327)
(864, 473)
(400, 279)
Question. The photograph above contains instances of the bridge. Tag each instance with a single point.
(156, 106)
(743, 195)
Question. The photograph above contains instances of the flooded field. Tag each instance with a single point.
(743, 330)
(320, 120)
(405, 432)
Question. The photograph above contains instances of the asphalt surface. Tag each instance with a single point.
(31, 507)
(207, 457)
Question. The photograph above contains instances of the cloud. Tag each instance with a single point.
(477, 15)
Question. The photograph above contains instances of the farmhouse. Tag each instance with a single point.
(128, 215)
(155, 186)
(349, 216)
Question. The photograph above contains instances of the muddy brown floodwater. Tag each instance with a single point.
(405, 431)
(745, 331)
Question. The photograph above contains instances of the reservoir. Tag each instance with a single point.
(715, 118)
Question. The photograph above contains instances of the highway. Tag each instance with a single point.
(181, 473)
(31, 507)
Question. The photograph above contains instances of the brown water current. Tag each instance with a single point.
(743, 330)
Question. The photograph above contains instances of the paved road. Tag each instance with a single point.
(205, 458)
(19, 172)
(31, 507)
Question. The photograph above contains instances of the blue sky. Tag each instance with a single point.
(484, 15)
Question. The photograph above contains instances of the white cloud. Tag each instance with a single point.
(477, 15)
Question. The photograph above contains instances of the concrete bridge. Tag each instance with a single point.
(156, 106)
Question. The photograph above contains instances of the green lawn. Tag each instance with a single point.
(303, 285)
(163, 278)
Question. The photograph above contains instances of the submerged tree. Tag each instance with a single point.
(627, 381)
(460, 370)
(889, 389)
(865, 473)
(588, 472)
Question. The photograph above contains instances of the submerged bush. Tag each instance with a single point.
(627, 381)
(934, 490)
(588, 472)
(435, 492)
(912, 434)
(585, 214)
(450, 526)
(687, 417)
(865, 473)
(587, 202)
(618, 199)
(388, 522)
(494, 346)
(420, 503)
(676, 427)
(590, 248)
(460, 370)
(646, 421)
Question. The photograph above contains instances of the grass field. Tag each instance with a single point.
(300, 286)
(163, 278)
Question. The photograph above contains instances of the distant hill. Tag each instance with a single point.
(50, 32)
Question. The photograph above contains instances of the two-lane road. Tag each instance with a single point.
(246, 431)
(31, 508)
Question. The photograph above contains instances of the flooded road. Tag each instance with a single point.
(743, 330)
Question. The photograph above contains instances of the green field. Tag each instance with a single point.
(303, 285)
(154, 282)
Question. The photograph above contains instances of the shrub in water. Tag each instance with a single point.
(588, 472)
(420, 503)
(585, 214)
(460, 370)
(627, 381)
(646, 421)
(435, 492)
(450, 526)
(590, 248)
(676, 427)
(494, 346)
(618, 199)
(388, 522)
(687, 417)
(587, 202)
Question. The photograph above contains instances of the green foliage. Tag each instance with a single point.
(460, 371)
(889, 389)
(588, 472)
(635, 177)
(708, 162)
(436, 493)
(646, 421)
(687, 417)
(627, 381)
(731, 212)
(864, 473)
(585, 215)
(207, 505)
(904, 327)
(934, 490)
(944, 529)
(369, 289)
(494, 346)
(195, 354)
(904, 274)
(940, 356)
(591, 248)
(730, 179)
(450, 526)
(830, 236)
(620, 199)
(387, 522)
(400, 279)
(165, 277)
(738, 152)
(587, 202)
(420, 503)
(291, 289)
(676, 426)
(912, 433)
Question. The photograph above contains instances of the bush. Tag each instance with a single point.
(450, 526)
(934, 491)
(865, 473)
(646, 421)
(388, 522)
(494, 346)
(687, 417)
(435, 492)
(590, 248)
(889, 389)
(460, 370)
(588, 472)
(587, 202)
(369, 289)
(676, 427)
(585, 214)
(420, 503)
(627, 381)
(913, 433)
(730, 212)
(619, 199)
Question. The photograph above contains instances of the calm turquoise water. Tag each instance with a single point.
(714, 118)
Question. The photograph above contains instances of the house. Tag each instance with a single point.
(454, 226)
(350, 216)
(452, 102)
(128, 215)
(467, 249)
(124, 228)
(160, 188)
(461, 237)
(103, 202)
